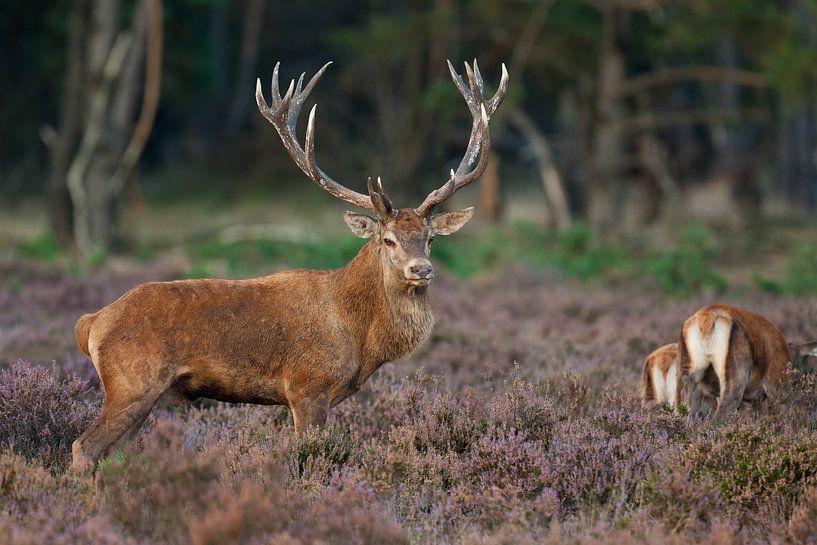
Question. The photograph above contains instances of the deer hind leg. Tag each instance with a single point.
(694, 380)
(169, 399)
(309, 412)
(733, 374)
(119, 418)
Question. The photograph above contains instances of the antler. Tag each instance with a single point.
(283, 114)
(479, 142)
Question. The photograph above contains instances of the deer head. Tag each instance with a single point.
(803, 356)
(402, 236)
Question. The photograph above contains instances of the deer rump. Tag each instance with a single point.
(659, 381)
(728, 355)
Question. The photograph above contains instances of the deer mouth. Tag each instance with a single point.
(420, 281)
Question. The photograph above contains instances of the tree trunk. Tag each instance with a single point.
(729, 140)
(490, 191)
(102, 211)
(551, 179)
(605, 186)
(244, 83)
(63, 142)
(110, 146)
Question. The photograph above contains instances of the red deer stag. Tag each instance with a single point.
(304, 339)
(732, 353)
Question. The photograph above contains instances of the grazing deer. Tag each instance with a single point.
(659, 380)
(732, 353)
(804, 356)
(659, 376)
(305, 339)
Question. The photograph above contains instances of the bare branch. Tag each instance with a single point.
(661, 120)
(91, 138)
(670, 76)
(150, 98)
(551, 180)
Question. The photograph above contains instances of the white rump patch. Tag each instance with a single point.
(664, 386)
(708, 350)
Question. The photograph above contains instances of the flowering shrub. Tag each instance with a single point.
(522, 426)
(40, 416)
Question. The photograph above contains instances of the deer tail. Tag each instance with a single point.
(83, 331)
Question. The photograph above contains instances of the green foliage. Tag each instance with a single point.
(250, 257)
(97, 257)
(801, 272)
(800, 277)
(577, 254)
(573, 253)
(688, 267)
(43, 247)
(15, 284)
(748, 464)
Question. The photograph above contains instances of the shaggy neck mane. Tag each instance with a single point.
(389, 317)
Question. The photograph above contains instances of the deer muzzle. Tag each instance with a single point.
(419, 271)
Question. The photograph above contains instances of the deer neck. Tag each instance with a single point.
(391, 318)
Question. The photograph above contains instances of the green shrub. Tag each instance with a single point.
(43, 247)
(801, 273)
(799, 278)
(687, 267)
(752, 466)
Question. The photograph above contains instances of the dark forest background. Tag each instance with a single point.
(622, 113)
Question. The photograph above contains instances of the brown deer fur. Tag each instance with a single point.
(658, 377)
(744, 351)
(304, 339)
(659, 380)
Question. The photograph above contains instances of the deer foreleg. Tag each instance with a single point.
(309, 412)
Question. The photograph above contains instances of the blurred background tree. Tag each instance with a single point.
(625, 112)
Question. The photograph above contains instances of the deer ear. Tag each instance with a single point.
(361, 225)
(448, 223)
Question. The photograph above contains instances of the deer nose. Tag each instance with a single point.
(422, 271)
(419, 269)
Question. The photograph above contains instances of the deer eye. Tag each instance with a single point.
(430, 240)
(389, 242)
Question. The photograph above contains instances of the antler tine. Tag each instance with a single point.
(459, 83)
(386, 199)
(499, 96)
(474, 81)
(301, 96)
(382, 204)
(283, 115)
(478, 80)
(275, 91)
(309, 147)
(300, 84)
(479, 143)
(313, 81)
